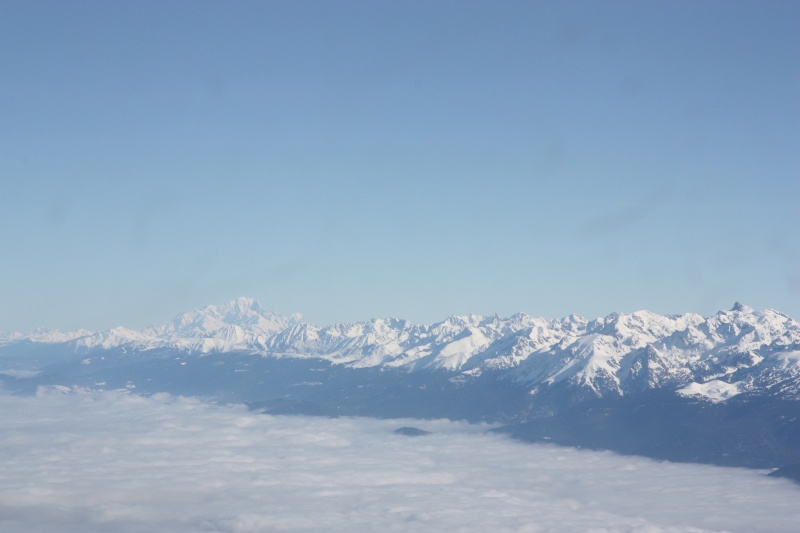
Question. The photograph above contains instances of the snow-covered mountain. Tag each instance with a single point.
(731, 352)
(239, 325)
(42, 335)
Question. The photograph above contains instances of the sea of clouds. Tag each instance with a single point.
(118, 462)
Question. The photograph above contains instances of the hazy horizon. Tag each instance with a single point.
(303, 318)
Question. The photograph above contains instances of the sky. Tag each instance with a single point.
(97, 462)
(417, 159)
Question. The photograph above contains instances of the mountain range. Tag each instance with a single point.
(727, 386)
(737, 351)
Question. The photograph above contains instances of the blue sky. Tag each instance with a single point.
(352, 159)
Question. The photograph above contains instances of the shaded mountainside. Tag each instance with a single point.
(752, 432)
(721, 390)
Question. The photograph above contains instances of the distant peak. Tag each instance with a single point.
(741, 307)
(242, 306)
(244, 302)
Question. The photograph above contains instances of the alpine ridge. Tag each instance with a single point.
(736, 351)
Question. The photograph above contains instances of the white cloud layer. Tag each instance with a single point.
(92, 462)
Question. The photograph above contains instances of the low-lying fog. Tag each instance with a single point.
(92, 462)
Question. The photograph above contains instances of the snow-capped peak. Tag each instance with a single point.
(241, 324)
(245, 313)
